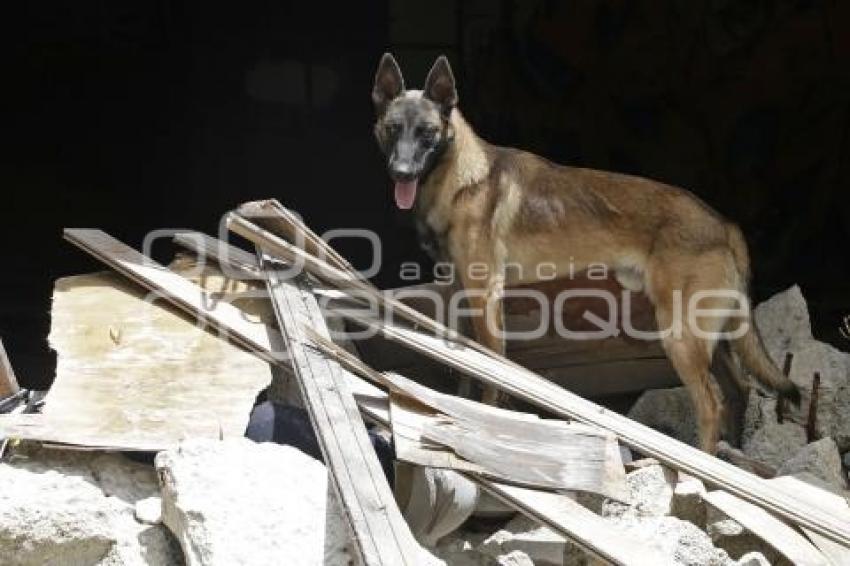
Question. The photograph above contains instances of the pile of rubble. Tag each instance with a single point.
(138, 457)
(810, 440)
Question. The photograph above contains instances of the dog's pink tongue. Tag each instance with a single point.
(405, 194)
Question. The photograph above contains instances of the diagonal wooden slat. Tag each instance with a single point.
(390, 546)
(494, 370)
(381, 533)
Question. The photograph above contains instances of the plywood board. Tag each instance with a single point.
(136, 374)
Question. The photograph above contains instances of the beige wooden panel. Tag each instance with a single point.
(134, 374)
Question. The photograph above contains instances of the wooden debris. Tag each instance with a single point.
(583, 527)
(380, 531)
(457, 351)
(136, 376)
(8, 382)
(531, 452)
(839, 554)
(774, 532)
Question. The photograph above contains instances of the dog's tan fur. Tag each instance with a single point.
(501, 206)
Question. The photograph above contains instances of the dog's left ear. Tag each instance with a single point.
(440, 85)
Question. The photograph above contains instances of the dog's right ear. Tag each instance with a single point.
(388, 83)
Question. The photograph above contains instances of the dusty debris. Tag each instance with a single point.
(541, 544)
(238, 502)
(688, 503)
(60, 507)
(820, 459)
(774, 444)
(669, 411)
(737, 541)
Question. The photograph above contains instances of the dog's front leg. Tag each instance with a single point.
(483, 291)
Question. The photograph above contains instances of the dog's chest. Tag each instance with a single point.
(432, 231)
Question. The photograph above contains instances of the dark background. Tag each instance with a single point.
(143, 114)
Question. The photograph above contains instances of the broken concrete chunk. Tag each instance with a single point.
(774, 444)
(681, 541)
(688, 503)
(669, 411)
(237, 502)
(539, 543)
(515, 558)
(650, 494)
(52, 519)
(783, 322)
(734, 538)
(821, 459)
(833, 395)
(149, 510)
(60, 507)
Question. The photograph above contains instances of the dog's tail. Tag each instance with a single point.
(750, 346)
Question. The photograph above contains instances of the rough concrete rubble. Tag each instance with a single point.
(809, 438)
(240, 503)
(60, 508)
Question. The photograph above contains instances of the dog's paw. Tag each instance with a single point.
(790, 393)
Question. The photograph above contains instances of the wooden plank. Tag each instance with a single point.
(279, 220)
(838, 554)
(236, 262)
(379, 528)
(8, 381)
(494, 370)
(528, 386)
(137, 375)
(537, 453)
(774, 532)
(371, 400)
(586, 529)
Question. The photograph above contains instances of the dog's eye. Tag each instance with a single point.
(393, 129)
(428, 134)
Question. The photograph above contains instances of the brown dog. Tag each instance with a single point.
(503, 212)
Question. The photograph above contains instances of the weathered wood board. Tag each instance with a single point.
(532, 452)
(137, 374)
(774, 532)
(379, 528)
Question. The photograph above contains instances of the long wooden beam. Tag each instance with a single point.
(380, 530)
(372, 401)
(491, 369)
(366, 514)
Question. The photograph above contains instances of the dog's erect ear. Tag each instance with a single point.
(440, 84)
(388, 82)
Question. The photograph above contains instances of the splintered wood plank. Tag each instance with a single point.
(457, 351)
(774, 532)
(8, 382)
(536, 453)
(837, 553)
(526, 385)
(381, 533)
(278, 219)
(234, 261)
(176, 290)
(577, 523)
(371, 400)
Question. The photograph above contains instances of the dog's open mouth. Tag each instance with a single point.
(405, 194)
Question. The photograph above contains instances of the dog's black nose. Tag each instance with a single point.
(402, 171)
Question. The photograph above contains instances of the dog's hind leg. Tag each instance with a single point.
(690, 341)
